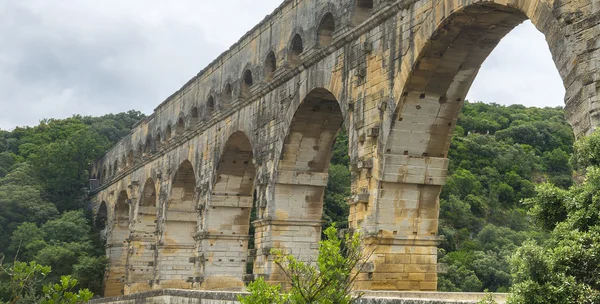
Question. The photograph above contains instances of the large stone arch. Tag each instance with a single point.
(143, 239)
(227, 217)
(446, 52)
(440, 64)
(116, 249)
(295, 206)
(178, 245)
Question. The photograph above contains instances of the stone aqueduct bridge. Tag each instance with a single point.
(256, 127)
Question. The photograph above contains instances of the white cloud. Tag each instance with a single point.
(520, 71)
(62, 57)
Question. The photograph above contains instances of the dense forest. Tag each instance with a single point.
(44, 211)
(511, 201)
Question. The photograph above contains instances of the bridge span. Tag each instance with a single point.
(255, 129)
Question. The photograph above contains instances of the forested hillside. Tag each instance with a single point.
(44, 214)
(497, 156)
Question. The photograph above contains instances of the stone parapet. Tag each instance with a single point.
(175, 296)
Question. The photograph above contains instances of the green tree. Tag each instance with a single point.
(63, 165)
(26, 279)
(565, 268)
(71, 226)
(43, 178)
(328, 281)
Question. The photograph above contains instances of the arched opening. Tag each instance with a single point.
(227, 93)
(325, 30)
(443, 66)
(180, 230)
(210, 106)
(302, 176)
(116, 250)
(295, 50)
(168, 133)
(363, 11)
(101, 219)
(227, 220)
(180, 127)
(157, 141)
(139, 153)
(116, 166)
(247, 84)
(148, 146)
(101, 223)
(130, 159)
(270, 66)
(111, 172)
(194, 112)
(143, 238)
(124, 162)
(104, 176)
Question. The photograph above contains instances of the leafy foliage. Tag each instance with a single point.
(25, 279)
(328, 281)
(565, 268)
(43, 178)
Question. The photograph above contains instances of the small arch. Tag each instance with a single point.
(296, 49)
(325, 30)
(149, 194)
(247, 83)
(124, 162)
(139, 152)
(227, 93)
(157, 141)
(194, 112)
(116, 166)
(101, 217)
(103, 174)
(121, 224)
(363, 11)
(180, 126)
(130, 158)
(148, 145)
(111, 171)
(270, 66)
(168, 132)
(210, 105)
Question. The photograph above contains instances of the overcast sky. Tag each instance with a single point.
(65, 57)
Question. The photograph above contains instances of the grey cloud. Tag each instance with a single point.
(67, 57)
(62, 57)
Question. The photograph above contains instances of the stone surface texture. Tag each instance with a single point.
(256, 128)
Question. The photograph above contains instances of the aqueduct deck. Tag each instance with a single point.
(256, 128)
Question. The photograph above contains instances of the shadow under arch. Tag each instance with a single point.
(227, 219)
(116, 249)
(296, 208)
(180, 227)
(143, 240)
(101, 219)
